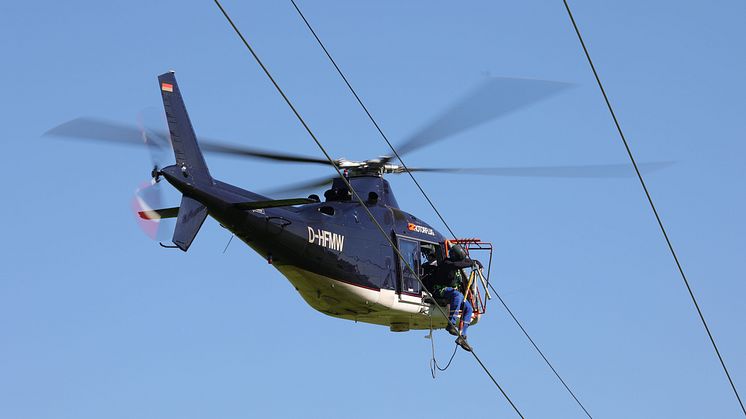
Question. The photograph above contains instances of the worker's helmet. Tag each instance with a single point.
(457, 253)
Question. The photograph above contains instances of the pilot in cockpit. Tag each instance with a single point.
(428, 264)
(338, 194)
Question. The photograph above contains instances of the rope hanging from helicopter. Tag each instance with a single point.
(433, 361)
(355, 194)
(440, 216)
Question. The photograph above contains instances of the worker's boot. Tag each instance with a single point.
(452, 329)
(461, 341)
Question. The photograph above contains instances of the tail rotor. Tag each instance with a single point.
(149, 195)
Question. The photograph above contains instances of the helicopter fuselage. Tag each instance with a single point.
(332, 253)
(343, 261)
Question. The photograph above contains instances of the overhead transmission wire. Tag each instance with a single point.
(652, 206)
(424, 194)
(375, 123)
(355, 194)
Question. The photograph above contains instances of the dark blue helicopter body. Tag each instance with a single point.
(331, 251)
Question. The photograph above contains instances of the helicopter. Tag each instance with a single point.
(331, 251)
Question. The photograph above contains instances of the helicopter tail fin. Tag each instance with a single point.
(189, 160)
(186, 150)
(191, 216)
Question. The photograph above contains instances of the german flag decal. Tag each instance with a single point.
(166, 87)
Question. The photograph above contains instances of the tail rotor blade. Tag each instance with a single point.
(148, 197)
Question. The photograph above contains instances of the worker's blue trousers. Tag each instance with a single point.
(455, 299)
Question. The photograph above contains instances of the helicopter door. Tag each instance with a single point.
(408, 284)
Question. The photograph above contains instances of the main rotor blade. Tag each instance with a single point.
(588, 171)
(301, 186)
(212, 146)
(152, 123)
(494, 98)
(97, 129)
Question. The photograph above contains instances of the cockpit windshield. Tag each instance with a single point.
(337, 194)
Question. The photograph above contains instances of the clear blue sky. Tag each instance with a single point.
(96, 321)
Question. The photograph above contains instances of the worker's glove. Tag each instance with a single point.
(477, 264)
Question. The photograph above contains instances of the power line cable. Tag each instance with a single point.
(424, 194)
(354, 192)
(538, 350)
(652, 206)
(370, 116)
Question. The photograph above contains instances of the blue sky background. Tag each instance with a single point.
(97, 321)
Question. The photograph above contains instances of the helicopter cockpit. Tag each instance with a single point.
(372, 189)
(337, 194)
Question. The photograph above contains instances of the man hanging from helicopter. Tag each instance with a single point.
(446, 279)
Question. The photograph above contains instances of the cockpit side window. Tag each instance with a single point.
(410, 250)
